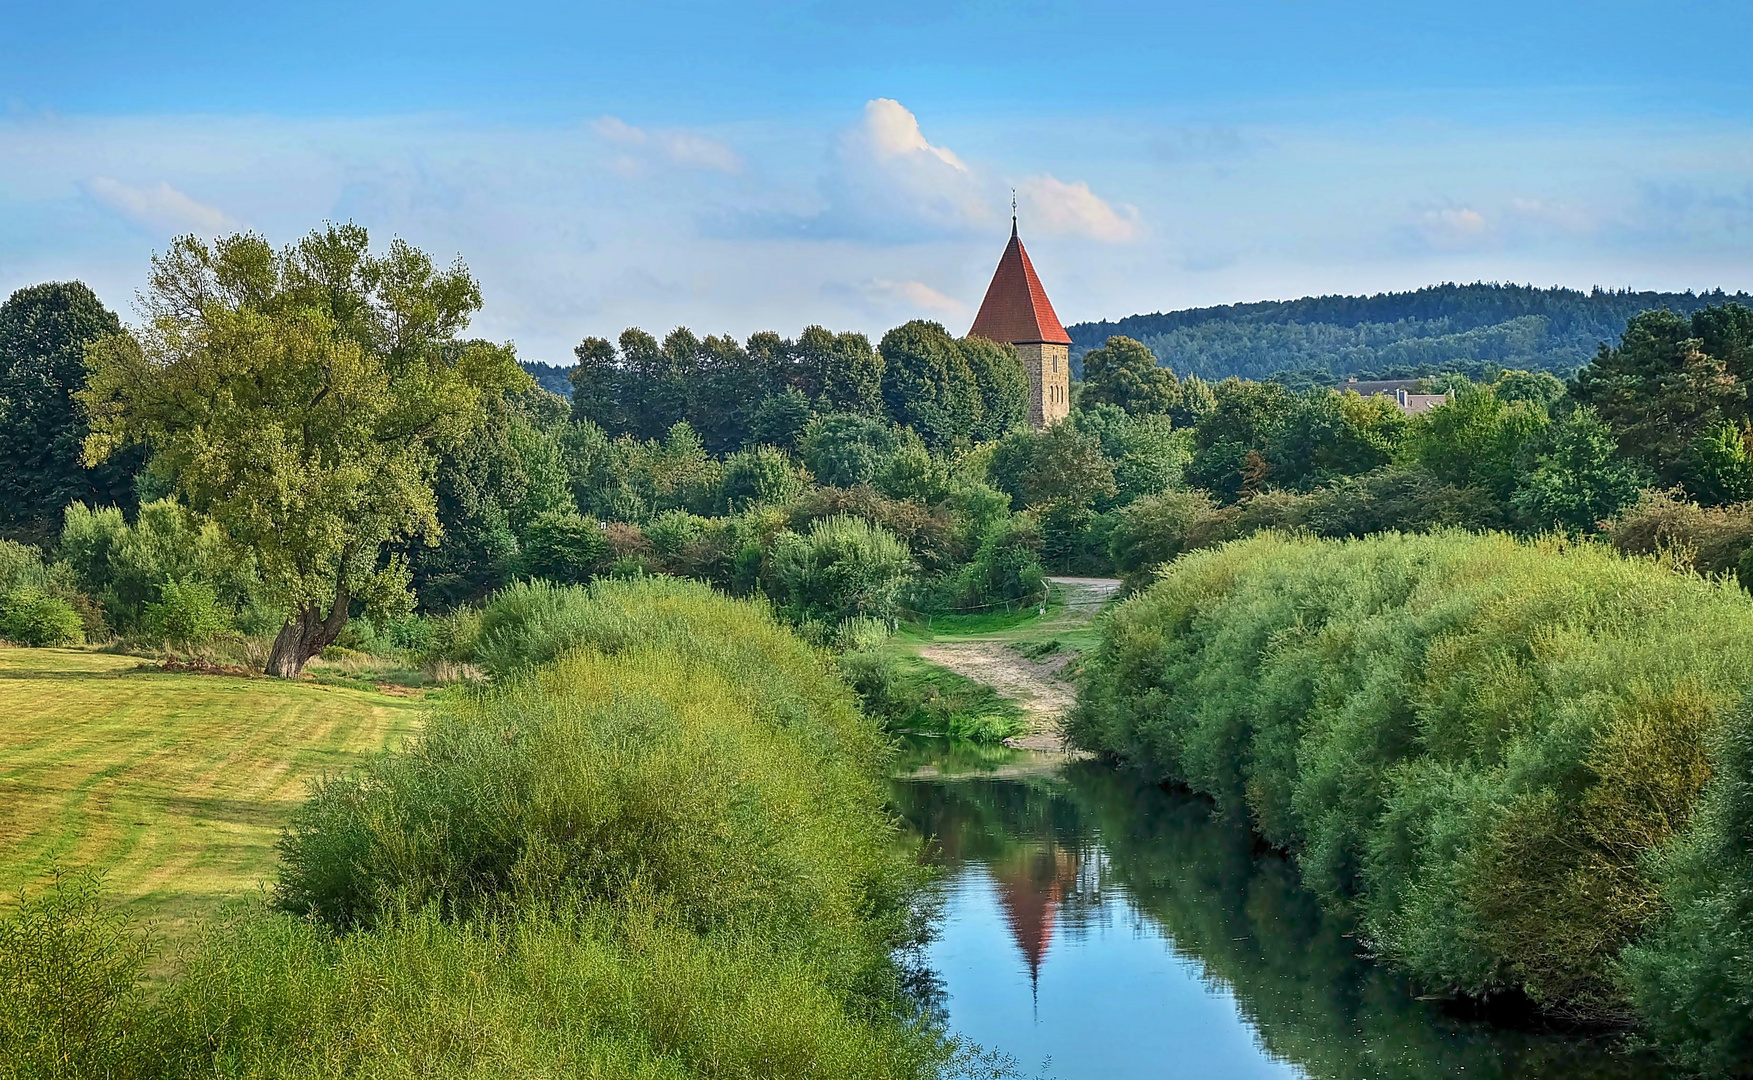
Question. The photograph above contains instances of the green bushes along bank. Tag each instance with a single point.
(1523, 767)
(663, 854)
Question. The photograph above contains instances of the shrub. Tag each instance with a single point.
(846, 449)
(1005, 571)
(1713, 540)
(564, 547)
(842, 567)
(1481, 748)
(69, 983)
(758, 476)
(684, 745)
(33, 618)
(1153, 531)
(186, 614)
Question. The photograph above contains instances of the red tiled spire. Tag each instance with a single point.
(1016, 310)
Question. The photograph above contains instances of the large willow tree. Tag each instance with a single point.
(300, 399)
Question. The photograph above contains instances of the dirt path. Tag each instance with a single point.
(1035, 685)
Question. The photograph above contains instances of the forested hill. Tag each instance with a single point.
(1437, 328)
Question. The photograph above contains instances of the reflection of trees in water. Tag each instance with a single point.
(1237, 910)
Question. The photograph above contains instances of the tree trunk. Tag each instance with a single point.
(306, 634)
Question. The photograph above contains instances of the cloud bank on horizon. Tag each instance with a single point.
(862, 209)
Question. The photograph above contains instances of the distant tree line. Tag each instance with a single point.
(1442, 328)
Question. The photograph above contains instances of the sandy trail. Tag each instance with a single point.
(1045, 697)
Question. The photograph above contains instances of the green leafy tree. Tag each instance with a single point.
(760, 475)
(1125, 373)
(928, 384)
(1232, 438)
(1060, 464)
(1660, 388)
(846, 449)
(1148, 452)
(1719, 464)
(1476, 440)
(1579, 480)
(597, 388)
(840, 372)
(780, 419)
(1326, 435)
(564, 547)
(300, 400)
(44, 331)
(1003, 386)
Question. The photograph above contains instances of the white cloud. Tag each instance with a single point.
(1453, 227)
(160, 206)
(1058, 207)
(911, 295)
(684, 148)
(892, 131)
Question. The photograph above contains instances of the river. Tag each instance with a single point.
(1096, 926)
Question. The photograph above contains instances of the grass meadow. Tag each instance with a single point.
(175, 785)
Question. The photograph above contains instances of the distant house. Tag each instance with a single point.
(1403, 391)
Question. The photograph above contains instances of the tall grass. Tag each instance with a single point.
(1491, 753)
(663, 854)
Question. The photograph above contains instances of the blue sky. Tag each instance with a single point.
(740, 167)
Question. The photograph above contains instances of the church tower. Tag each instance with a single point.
(1016, 312)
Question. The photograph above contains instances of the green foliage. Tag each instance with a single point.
(847, 449)
(665, 856)
(760, 475)
(928, 383)
(1660, 390)
(1326, 435)
(1125, 373)
(1482, 749)
(70, 975)
(686, 748)
(1477, 440)
(1230, 441)
(1003, 572)
(781, 419)
(1003, 387)
(841, 567)
(186, 613)
(29, 616)
(127, 567)
(1689, 977)
(1719, 466)
(1057, 464)
(1393, 335)
(841, 372)
(565, 548)
(1149, 453)
(299, 400)
(1155, 530)
(1577, 481)
(1709, 539)
(44, 331)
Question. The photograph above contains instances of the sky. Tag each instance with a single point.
(750, 166)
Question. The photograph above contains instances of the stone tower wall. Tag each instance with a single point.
(1049, 370)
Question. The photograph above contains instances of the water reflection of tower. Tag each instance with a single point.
(1033, 882)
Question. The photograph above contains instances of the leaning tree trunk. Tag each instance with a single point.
(306, 634)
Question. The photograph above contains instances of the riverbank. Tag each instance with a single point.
(1523, 769)
(1025, 661)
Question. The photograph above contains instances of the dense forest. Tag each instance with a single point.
(1440, 328)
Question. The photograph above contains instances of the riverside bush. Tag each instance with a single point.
(1485, 750)
(664, 855)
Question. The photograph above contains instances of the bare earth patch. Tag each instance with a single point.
(1036, 685)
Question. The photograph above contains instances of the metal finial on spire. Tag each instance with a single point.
(1013, 212)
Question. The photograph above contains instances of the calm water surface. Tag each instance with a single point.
(1095, 926)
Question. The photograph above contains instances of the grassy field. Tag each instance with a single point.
(175, 784)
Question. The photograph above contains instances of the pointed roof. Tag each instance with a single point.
(1016, 310)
